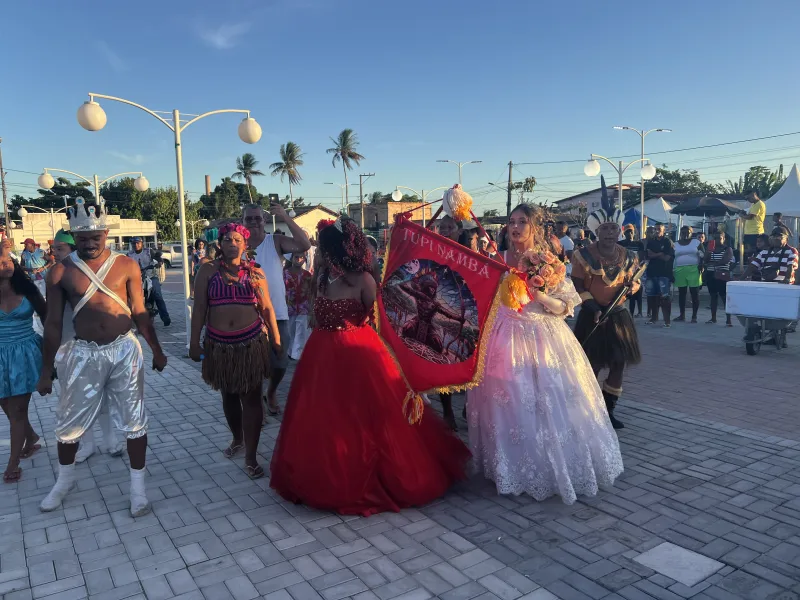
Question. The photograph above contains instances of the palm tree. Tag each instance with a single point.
(344, 150)
(246, 165)
(291, 158)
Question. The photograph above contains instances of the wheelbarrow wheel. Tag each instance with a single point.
(752, 340)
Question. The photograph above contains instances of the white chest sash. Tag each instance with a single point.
(96, 282)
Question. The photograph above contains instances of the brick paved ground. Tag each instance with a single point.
(712, 465)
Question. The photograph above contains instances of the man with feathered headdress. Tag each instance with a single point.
(599, 271)
(103, 364)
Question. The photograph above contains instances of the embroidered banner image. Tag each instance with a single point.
(437, 301)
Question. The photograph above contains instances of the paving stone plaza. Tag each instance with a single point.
(708, 506)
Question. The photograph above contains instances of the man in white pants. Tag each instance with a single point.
(103, 365)
(63, 246)
(270, 249)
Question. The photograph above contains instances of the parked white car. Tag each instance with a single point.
(172, 256)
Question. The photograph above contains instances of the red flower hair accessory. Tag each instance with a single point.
(234, 228)
(324, 223)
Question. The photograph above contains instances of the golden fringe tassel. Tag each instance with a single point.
(413, 407)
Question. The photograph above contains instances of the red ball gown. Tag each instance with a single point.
(344, 444)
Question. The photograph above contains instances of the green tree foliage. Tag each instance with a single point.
(291, 159)
(286, 202)
(226, 200)
(123, 199)
(54, 198)
(344, 151)
(381, 198)
(161, 206)
(759, 179)
(524, 187)
(246, 169)
(679, 181)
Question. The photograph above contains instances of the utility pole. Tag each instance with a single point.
(361, 193)
(5, 197)
(510, 183)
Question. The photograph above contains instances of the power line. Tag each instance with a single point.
(758, 139)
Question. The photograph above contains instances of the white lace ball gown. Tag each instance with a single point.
(538, 423)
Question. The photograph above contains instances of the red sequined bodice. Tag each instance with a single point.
(339, 315)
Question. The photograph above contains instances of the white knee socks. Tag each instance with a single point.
(139, 504)
(64, 483)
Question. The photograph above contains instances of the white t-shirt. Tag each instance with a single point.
(272, 265)
(686, 255)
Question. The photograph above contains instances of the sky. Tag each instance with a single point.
(418, 81)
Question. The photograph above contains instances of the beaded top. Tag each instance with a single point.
(340, 315)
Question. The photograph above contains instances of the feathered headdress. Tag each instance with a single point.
(606, 213)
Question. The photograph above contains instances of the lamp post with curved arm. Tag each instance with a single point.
(342, 187)
(92, 117)
(643, 133)
(23, 212)
(397, 195)
(592, 168)
(460, 165)
(46, 181)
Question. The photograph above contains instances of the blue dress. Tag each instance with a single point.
(20, 351)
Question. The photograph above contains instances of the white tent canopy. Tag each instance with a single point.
(658, 209)
(787, 199)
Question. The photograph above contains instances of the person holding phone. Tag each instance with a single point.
(269, 252)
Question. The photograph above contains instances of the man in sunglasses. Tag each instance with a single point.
(269, 251)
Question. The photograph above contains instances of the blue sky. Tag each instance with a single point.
(418, 81)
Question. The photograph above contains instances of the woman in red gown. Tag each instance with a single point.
(344, 444)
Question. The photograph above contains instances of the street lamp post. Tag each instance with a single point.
(201, 222)
(342, 186)
(46, 181)
(460, 165)
(592, 168)
(642, 134)
(22, 212)
(397, 195)
(92, 117)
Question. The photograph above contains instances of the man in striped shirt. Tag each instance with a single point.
(777, 263)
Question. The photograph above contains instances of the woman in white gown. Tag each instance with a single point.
(537, 422)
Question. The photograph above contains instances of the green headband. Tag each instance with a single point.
(64, 237)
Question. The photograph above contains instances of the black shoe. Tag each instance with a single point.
(167, 322)
(611, 403)
(615, 422)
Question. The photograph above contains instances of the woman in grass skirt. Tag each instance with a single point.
(232, 302)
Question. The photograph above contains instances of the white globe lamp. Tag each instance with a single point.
(141, 184)
(46, 181)
(178, 223)
(591, 168)
(91, 116)
(249, 130)
(648, 171)
(22, 212)
(397, 195)
(204, 223)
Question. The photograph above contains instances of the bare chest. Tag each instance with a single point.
(76, 284)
